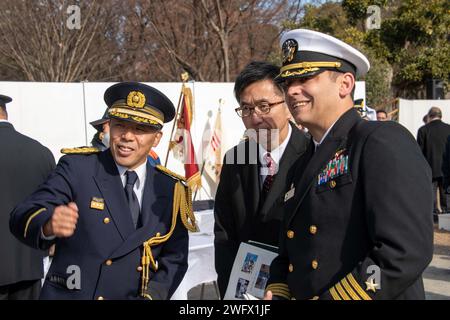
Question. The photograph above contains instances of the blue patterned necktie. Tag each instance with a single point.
(133, 202)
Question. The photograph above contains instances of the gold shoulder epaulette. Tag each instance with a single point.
(170, 173)
(80, 150)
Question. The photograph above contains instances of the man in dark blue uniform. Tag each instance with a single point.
(358, 223)
(100, 140)
(119, 224)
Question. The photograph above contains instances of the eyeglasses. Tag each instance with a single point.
(262, 108)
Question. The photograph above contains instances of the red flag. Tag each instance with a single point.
(182, 145)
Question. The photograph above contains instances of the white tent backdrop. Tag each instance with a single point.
(58, 114)
(411, 112)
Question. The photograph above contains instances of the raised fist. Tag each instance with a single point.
(63, 222)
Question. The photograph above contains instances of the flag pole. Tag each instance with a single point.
(184, 78)
(201, 175)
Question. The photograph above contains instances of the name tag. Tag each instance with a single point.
(98, 204)
(290, 193)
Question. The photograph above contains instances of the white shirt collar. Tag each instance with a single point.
(317, 144)
(141, 172)
(4, 120)
(276, 153)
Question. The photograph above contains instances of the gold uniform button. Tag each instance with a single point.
(158, 234)
(290, 234)
(291, 267)
(108, 262)
(332, 184)
(100, 298)
(106, 220)
(139, 269)
(313, 229)
(314, 264)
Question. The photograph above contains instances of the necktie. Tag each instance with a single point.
(133, 202)
(271, 168)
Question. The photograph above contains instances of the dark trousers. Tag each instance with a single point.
(438, 183)
(24, 290)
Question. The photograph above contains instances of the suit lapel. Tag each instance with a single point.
(252, 182)
(154, 202)
(296, 146)
(110, 185)
(148, 196)
(254, 185)
(336, 139)
(249, 172)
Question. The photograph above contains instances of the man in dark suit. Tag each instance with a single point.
(247, 203)
(117, 222)
(358, 223)
(24, 164)
(432, 138)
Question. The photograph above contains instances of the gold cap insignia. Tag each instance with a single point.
(136, 99)
(289, 48)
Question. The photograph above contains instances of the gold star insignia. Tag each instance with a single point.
(371, 285)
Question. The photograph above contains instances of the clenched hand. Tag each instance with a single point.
(63, 222)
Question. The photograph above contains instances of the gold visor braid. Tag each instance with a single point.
(309, 65)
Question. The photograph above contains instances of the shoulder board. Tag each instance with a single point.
(170, 173)
(80, 150)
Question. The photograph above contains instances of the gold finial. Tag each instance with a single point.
(184, 76)
(221, 104)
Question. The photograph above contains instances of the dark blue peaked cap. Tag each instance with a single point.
(140, 103)
(4, 100)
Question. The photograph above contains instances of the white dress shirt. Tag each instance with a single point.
(275, 154)
(138, 187)
(317, 144)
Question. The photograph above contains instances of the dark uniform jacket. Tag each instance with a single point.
(105, 246)
(446, 166)
(432, 139)
(240, 214)
(358, 218)
(24, 164)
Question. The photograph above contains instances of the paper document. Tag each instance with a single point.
(250, 272)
